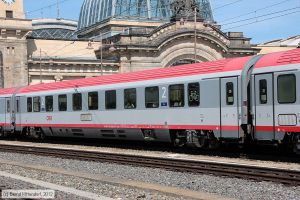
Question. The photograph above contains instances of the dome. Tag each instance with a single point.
(94, 11)
(53, 29)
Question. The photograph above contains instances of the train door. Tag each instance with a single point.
(2, 114)
(229, 108)
(286, 110)
(8, 109)
(264, 106)
(18, 110)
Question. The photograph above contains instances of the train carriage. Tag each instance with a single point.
(231, 100)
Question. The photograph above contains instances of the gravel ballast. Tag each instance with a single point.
(227, 187)
(12, 184)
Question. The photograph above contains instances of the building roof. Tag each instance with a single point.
(291, 41)
(54, 29)
(225, 65)
(95, 11)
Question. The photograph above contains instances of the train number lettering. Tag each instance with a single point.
(164, 93)
(49, 118)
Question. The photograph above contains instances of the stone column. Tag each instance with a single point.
(1, 71)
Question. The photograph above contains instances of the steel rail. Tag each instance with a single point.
(257, 173)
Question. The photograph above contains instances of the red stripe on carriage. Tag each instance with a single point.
(137, 126)
(278, 128)
(4, 124)
(149, 126)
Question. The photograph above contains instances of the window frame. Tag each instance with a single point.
(126, 94)
(46, 103)
(263, 82)
(188, 94)
(39, 103)
(295, 89)
(96, 106)
(59, 105)
(31, 105)
(9, 14)
(231, 85)
(182, 95)
(18, 105)
(108, 94)
(74, 106)
(153, 103)
(8, 106)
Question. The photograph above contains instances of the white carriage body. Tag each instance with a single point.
(230, 99)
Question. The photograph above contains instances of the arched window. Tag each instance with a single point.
(1, 71)
(183, 62)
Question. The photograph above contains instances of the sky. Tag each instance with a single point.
(261, 20)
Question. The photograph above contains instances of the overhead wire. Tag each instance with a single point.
(257, 21)
(225, 5)
(48, 6)
(264, 15)
(255, 11)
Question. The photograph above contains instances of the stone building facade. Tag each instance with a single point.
(173, 44)
(116, 41)
(60, 60)
(14, 29)
(142, 43)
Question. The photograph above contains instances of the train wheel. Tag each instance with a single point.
(42, 135)
(37, 133)
(297, 144)
(2, 133)
(178, 138)
(198, 139)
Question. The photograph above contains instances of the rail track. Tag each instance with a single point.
(283, 176)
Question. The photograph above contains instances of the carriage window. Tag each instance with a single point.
(77, 101)
(93, 100)
(130, 98)
(176, 95)
(8, 106)
(36, 104)
(194, 94)
(229, 93)
(49, 103)
(263, 91)
(62, 102)
(286, 88)
(29, 104)
(152, 97)
(111, 99)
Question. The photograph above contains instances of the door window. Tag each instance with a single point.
(229, 93)
(263, 91)
(8, 106)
